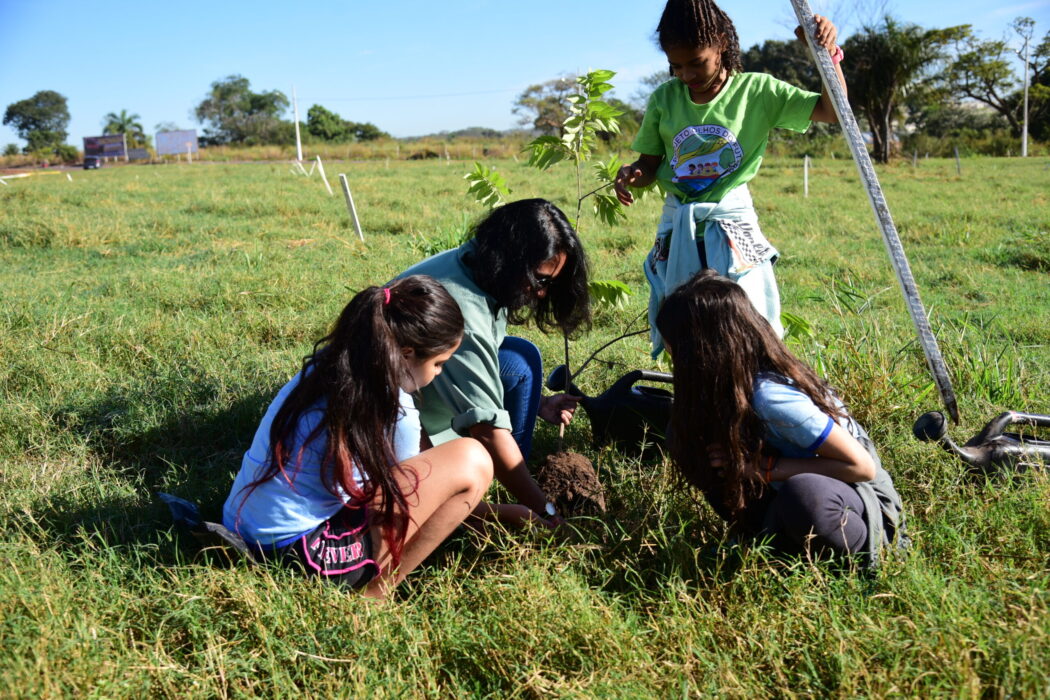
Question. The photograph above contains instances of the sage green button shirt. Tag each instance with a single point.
(468, 391)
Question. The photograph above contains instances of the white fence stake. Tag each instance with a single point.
(298, 141)
(958, 165)
(805, 176)
(320, 169)
(350, 205)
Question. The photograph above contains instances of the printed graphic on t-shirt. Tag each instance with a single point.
(702, 155)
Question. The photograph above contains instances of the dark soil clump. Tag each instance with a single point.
(571, 483)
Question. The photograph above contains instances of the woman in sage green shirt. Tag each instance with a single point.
(523, 264)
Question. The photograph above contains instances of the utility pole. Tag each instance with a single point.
(298, 142)
(1024, 26)
(1024, 126)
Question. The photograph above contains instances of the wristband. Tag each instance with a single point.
(770, 464)
(836, 57)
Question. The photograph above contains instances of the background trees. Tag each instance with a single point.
(329, 126)
(545, 106)
(886, 65)
(232, 113)
(128, 124)
(788, 60)
(41, 120)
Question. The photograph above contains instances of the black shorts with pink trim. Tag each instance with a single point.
(338, 550)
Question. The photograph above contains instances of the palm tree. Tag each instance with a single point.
(125, 123)
(886, 65)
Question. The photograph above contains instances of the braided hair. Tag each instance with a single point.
(699, 24)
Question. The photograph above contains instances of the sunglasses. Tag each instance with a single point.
(542, 281)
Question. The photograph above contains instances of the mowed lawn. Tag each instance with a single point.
(150, 313)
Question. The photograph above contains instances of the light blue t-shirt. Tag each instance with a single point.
(279, 510)
(794, 425)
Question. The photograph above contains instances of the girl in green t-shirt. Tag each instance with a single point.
(703, 137)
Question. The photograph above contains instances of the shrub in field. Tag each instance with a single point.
(451, 237)
(1029, 251)
(66, 153)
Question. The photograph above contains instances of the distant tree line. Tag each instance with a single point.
(231, 113)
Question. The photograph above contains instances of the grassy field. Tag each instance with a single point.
(150, 313)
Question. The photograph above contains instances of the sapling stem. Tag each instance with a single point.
(595, 191)
(617, 338)
(572, 375)
(568, 390)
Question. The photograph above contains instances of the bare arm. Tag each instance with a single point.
(841, 457)
(509, 465)
(824, 111)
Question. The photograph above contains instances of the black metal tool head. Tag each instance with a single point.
(930, 426)
(558, 380)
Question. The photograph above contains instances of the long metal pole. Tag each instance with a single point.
(851, 131)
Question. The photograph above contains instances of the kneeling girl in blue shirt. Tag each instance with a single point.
(766, 441)
(334, 483)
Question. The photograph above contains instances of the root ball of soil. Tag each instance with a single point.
(571, 483)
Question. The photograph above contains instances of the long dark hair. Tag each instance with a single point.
(354, 372)
(510, 243)
(719, 343)
(699, 24)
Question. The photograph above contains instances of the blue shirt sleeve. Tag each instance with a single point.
(794, 424)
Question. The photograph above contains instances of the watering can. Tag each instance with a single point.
(991, 451)
(626, 414)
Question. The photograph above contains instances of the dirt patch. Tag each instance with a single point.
(569, 480)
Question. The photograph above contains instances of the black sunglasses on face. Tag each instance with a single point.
(542, 281)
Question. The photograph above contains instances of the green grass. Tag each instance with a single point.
(150, 313)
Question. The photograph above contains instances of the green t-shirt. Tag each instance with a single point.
(709, 149)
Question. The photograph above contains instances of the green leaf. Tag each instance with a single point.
(609, 292)
(602, 110)
(600, 75)
(606, 172)
(795, 326)
(487, 186)
(545, 151)
(608, 209)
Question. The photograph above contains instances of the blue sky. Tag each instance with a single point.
(409, 66)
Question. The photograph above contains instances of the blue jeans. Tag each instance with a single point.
(521, 372)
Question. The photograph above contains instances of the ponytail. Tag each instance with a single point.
(354, 374)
